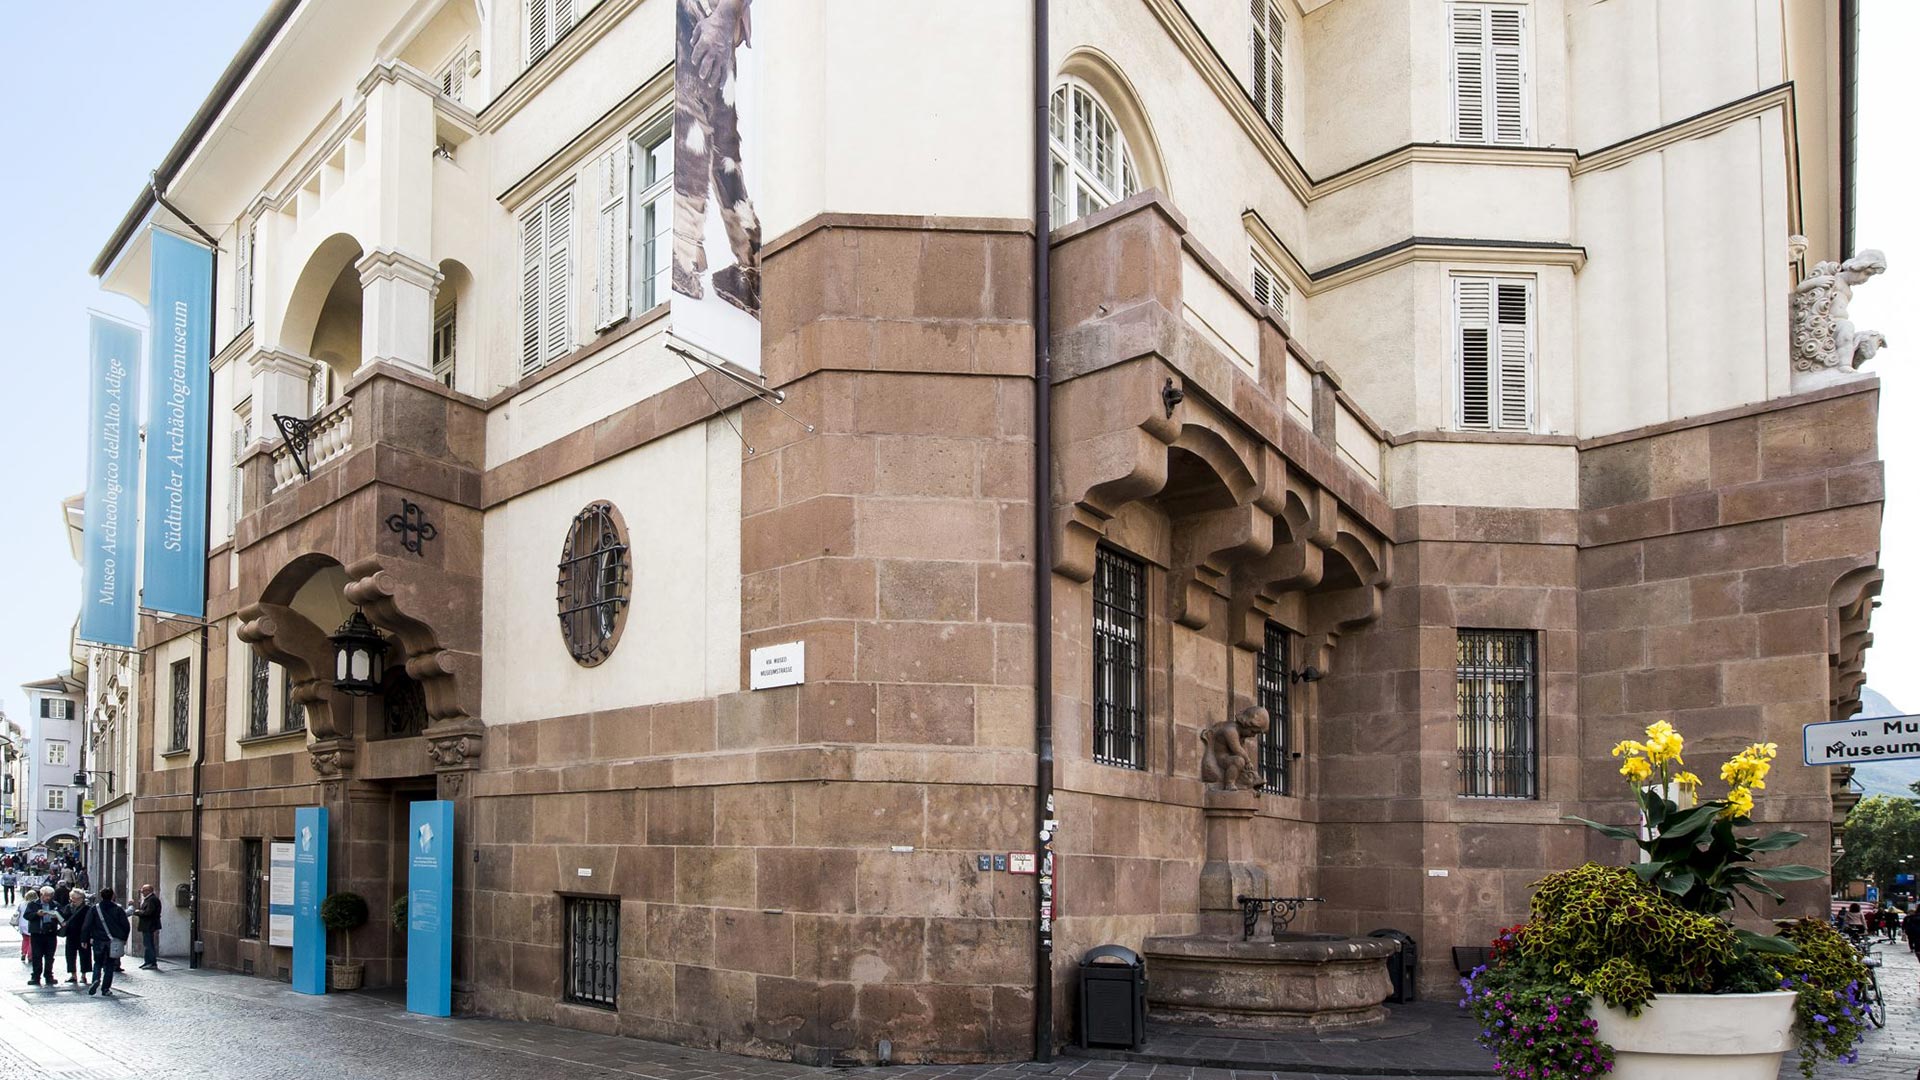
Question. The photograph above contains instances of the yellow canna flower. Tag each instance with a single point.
(1636, 769)
(1739, 804)
(1628, 746)
(1688, 781)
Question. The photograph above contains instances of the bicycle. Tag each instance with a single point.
(1873, 1002)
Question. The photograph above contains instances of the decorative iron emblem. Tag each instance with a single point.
(294, 431)
(412, 525)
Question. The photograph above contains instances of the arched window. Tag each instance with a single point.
(1092, 166)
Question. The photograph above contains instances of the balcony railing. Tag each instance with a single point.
(330, 437)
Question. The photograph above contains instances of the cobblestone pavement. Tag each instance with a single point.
(187, 1025)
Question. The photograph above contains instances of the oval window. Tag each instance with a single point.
(594, 584)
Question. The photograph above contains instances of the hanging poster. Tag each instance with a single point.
(108, 601)
(173, 557)
(716, 230)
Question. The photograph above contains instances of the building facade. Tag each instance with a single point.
(1423, 371)
(56, 737)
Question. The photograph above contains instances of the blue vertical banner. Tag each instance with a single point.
(108, 602)
(180, 310)
(430, 908)
(309, 888)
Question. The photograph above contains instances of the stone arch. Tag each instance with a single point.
(394, 594)
(290, 636)
(1116, 91)
(1850, 602)
(331, 261)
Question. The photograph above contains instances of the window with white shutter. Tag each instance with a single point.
(1489, 74)
(611, 243)
(548, 21)
(453, 75)
(443, 345)
(1269, 287)
(242, 437)
(1493, 320)
(652, 215)
(546, 297)
(243, 278)
(1269, 63)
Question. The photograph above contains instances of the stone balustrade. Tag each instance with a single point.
(330, 437)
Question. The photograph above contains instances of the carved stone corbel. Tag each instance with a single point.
(332, 758)
(291, 640)
(1206, 547)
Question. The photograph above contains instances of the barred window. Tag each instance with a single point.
(594, 583)
(1119, 660)
(593, 950)
(258, 698)
(293, 715)
(1497, 699)
(250, 873)
(181, 673)
(1270, 678)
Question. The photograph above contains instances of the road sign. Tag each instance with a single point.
(1851, 742)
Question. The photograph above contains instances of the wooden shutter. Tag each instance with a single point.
(1507, 54)
(612, 239)
(532, 261)
(238, 445)
(1469, 73)
(1269, 287)
(562, 19)
(1269, 63)
(1473, 319)
(1489, 74)
(559, 274)
(243, 279)
(1513, 340)
(539, 28)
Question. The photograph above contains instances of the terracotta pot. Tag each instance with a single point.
(345, 974)
(1700, 1036)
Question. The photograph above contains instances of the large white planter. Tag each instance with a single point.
(1699, 1036)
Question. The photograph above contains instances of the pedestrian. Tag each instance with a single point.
(8, 881)
(1853, 923)
(41, 920)
(149, 929)
(1911, 924)
(106, 929)
(79, 947)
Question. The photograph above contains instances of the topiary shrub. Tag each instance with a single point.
(343, 911)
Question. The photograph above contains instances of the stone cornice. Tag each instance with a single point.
(238, 345)
(1467, 250)
(1692, 127)
(650, 96)
(386, 263)
(1863, 385)
(396, 71)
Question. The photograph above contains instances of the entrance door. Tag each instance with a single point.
(399, 815)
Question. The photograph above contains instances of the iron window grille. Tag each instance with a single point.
(182, 676)
(293, 715)
(593, 951)
(1270, 678)
(258, 698)
(594, 583)
(1497, 692)
(403, 701)
(1119, 660)
(250, 871)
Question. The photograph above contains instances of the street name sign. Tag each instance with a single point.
(1850, 742)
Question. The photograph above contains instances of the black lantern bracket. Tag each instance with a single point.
(294, 432)
(412, 525)
(357, 652)
(81, 777)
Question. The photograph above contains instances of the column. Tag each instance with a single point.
(396, 322)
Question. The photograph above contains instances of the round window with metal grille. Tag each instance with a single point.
(595, 583)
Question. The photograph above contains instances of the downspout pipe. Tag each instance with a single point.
(1044, 817)
(206, 590)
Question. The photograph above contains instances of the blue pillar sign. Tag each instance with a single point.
(309, 888)
(180, 309)
(430, 908)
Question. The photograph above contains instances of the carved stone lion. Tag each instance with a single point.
(1229, 760)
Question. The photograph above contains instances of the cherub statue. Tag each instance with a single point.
(1229, 761)
(1824, 337)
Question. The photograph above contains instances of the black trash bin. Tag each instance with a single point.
(1113, 998)
(1403, 967)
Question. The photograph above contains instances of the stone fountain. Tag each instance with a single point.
(1229, 976)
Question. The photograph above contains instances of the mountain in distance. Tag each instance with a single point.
(1883, 777)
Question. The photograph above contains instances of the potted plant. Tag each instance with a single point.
(344, 913)
(1638, 971)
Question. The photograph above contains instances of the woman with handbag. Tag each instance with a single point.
(108, 928)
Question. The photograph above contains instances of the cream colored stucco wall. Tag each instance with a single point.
(1483, 474)
(680, 496)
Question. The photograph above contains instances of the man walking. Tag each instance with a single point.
(107, 928)
(149, 929)
(1911, 925)
(40, 921)
(8, 881)
(73, 917)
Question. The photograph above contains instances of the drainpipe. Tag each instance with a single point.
(206, 589)
(1042, 552)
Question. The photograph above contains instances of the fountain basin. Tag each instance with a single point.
(1299, 982)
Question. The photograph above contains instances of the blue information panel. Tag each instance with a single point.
(309, 888)
(429, 908)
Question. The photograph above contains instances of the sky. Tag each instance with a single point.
(85, 126)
